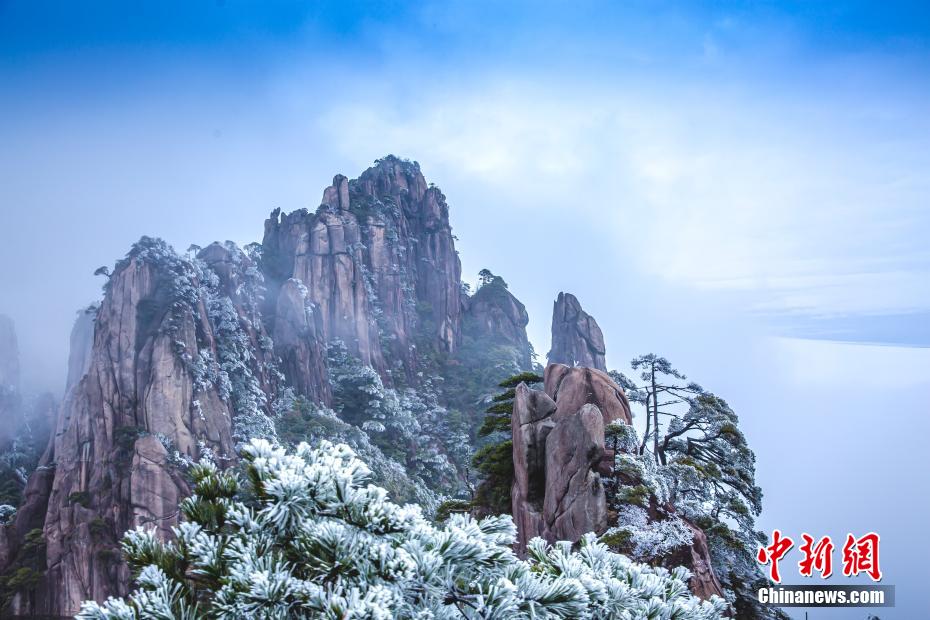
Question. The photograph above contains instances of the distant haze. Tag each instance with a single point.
(742, 190)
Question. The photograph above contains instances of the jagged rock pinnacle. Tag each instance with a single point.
(576, 338)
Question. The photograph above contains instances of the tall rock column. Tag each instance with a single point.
(179, 363)
(531, 423)
(411, 247)
(576, 338)
(82, 345)
(575, 502)
(558, 450)
(378, 260)
(560, 458)
(324, 252)
(112, 473)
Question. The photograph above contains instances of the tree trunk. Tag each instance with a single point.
(642, 447)
(655, 414)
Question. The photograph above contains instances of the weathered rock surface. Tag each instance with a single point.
(576, 338)
(82, 344)
(155, 487)
(494, 313)
(378, 260)
(560, 462)
(575, 500)
(531, 423)
(135, 384)
(572, 388)
(185, 354)
(704, 582)
(298, 337)
(324, 251)
(30, 515)
(696, 558)
(558, 446)
(155, 388)
(413, 230)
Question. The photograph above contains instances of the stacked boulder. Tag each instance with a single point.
(559, 454)
(561, 462)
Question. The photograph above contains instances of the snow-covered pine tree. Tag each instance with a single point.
(693, 457)
(309, 537)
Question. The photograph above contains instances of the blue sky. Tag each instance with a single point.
(741, 187)
(723, 135)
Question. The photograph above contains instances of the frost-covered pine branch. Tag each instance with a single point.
(316, 540)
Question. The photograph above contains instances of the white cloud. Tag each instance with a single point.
(835, 366)
(796, 202)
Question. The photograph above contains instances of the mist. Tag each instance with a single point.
(748, 201)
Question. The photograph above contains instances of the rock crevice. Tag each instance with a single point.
(558, 446)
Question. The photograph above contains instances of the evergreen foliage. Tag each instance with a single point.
(696, 466)
(408, 425)
(27, 570)
(528, 377)
(494, 460)
(298, 420)
(317, 540)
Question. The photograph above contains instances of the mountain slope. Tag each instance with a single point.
(344, 323)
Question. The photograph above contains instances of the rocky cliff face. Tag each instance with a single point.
(704, 582)
(20, 548)
(494, 314)
(82, 344)
(323, 251)
(186, 355)
(573, 388)
(379, 263)
(561, 465)
(299, 341)
(558, 448)
(113, 472)
(178, 366)
(576, 338)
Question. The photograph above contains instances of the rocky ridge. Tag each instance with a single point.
(188, 354)
(379, 263)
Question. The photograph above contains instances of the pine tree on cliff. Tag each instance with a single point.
(661, 382)
(697, 460)
(702, 434)
(494, 460)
